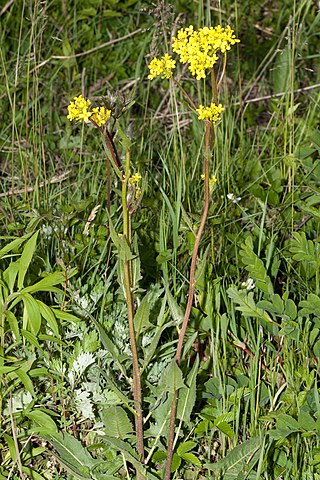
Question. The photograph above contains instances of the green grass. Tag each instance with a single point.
(256, 408)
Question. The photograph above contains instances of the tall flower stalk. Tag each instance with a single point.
(80, 110)
(200, 50)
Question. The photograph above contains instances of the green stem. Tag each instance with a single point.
(207, 156)
(137, 394)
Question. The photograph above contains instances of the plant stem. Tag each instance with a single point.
(137, 395)
(207, 156)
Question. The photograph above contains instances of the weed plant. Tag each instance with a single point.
(248, 380)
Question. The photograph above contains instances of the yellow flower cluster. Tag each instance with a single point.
(211, 113)
(100, 116)
(79, 110)
(212, 180)
(199, 48)
(133, 182)
(161, 66)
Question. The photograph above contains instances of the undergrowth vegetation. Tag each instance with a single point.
(95, 256)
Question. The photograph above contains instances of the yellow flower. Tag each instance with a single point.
(161, 66)
(211, 113)
(199, 48)
(212, 181)
(100, 115)
(78, 109)
(135, 178)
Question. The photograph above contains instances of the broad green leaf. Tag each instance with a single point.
(48, 315)
(116, 422)
(46, 284)
(172, 378)
(66, 316)
(141, 318)
(13, 323)
(176, 462)
(112, 384)
(32, 474)
(10, 274)
(191, 458)
(185, 447)
(13, 245)
(237, 458)
(71, 454)
(12, 448)
(25, 379)
(26, 258)
(225, 428)
(31, 315)
(43, 420)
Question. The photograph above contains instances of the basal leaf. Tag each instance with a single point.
(116, 422)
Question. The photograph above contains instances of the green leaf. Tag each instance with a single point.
(68, 317)
(254, 265)
(187, 396)
(43, 420)
(48, 315)
(176, 462)
(26, 258)
(116, 422)
(10, 274)
(47, 283)
(141, 318)
(32, 316)
(237, 458)
(71, 454)
(191, 458)
(185, 447)
(175, 309)
(246, 304)
(311, 306)
(25, 379)
(32, 474)
(13, 245)
(172, 379)
(13, 323)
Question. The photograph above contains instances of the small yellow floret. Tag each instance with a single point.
(100, 115)
(135, 178)
(78, 109)
(161, 66)
(211, 113)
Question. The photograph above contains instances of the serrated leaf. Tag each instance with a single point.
(225, 428)
(172, 378)
(141, 318)
(116, 422)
